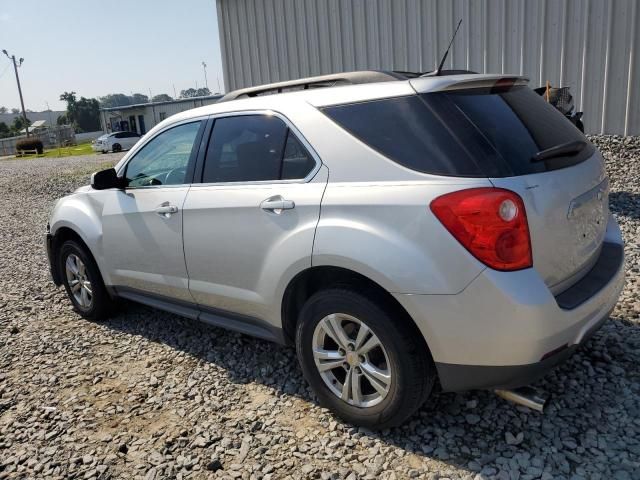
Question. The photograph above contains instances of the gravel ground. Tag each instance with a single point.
(150, 395)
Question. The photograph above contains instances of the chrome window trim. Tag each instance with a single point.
(301, 138)
(132, 153)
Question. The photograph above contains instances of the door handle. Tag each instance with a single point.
(277, 204)
(166, 210)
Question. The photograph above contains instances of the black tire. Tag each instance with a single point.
(116, 147)
(101, 305)
(411, 367)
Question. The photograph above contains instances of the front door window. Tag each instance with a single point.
(163, 160)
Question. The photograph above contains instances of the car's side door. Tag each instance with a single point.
(142, 224)
(249, 224)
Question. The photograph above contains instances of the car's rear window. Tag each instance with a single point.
(467, 133)
(518, 123)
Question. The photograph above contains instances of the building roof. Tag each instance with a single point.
(34, 125)
(169, 102)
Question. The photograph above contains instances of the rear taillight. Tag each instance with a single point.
(489, 222)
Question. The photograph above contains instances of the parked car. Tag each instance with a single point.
(115, 142)
(446, 230)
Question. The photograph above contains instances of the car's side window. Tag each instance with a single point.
(296, 161)
(250, 148)
(164, 159)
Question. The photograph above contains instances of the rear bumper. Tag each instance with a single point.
(455, 378)
(506, 329)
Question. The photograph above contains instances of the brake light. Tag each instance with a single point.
(489, 222)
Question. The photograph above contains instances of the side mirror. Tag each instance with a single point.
(106, 179)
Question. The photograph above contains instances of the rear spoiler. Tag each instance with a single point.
(459, 82)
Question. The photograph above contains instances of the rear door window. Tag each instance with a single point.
(408, 132)
(253, 148)
(296, 161)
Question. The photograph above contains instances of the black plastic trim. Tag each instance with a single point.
(202, 151)
(55, 275)
(608, 264)
(219, 318)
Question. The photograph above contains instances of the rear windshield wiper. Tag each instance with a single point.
(565, 149)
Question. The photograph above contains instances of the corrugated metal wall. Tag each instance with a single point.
(589, 45)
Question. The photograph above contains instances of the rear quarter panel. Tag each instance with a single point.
(387, 232)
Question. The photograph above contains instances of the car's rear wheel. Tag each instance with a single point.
(83, 282)
(362, 358)
(116, 147)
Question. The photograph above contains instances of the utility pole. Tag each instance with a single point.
(15, 69)
(49, 110)
(204, 66)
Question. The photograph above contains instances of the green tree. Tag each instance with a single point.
(87, 115)
(4, 109)
(193, 92)
(18, 124)
(163, 97)
(139, 98)
(83, 114)
(5, 131)
(70, 98)
(188, 93)
(115, 100)
(15, 111)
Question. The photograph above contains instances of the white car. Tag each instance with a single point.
(401, 233)
(115, 142)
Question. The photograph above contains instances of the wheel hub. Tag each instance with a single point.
(351, 360)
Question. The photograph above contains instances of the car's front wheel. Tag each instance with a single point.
(362, 358)
(116, 148)
(83, 282)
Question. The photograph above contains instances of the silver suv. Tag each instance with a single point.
(403, 233)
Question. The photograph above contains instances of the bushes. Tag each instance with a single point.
(30, 144)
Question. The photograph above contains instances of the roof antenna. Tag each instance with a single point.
(438, 71)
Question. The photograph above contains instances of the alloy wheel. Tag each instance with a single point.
(351, 360)
(78, 280)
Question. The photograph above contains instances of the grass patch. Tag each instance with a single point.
(72, 150)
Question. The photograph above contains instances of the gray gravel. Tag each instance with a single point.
(150, 395)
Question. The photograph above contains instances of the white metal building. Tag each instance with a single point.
(143, 117)
(591, 46)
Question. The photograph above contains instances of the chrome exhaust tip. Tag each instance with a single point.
(526, 396)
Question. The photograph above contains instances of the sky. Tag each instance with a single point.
(99, 47)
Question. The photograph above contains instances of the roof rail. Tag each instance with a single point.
(331, 80)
